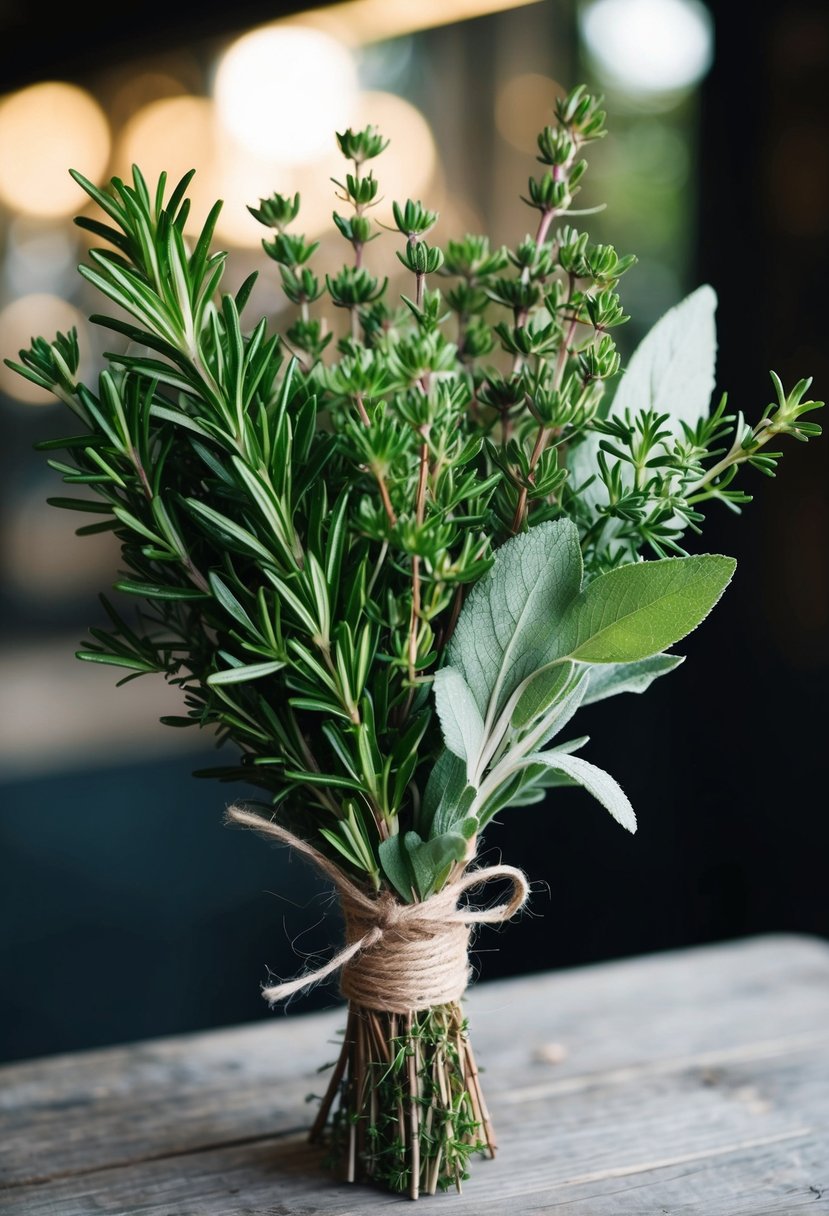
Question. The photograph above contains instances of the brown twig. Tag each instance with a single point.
(378, 476)
(414, 1112)
(544, 431)
(475, 1091)
(334, 1084)
(384, 495)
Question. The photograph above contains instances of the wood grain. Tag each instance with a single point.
(696, 1081)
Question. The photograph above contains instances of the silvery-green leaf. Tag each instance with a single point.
(505, 625)
(672, 370)
(636, 611)
(447, 797)
(563, 711)
(608, 679)
(538, 778)
(604, 788)
(460, 718)
(432, 860)
(397, 868)
(413, 865)
(542, 691)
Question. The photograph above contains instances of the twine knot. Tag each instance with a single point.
(398, 957)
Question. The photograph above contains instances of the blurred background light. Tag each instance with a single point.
(357, 21)
(408, 164)
(37, 313)
(405, 168)
(522, 105)
(282, 89)
(649, 46)
(45, 130)
(138, 89)
(45, 561)
(39, 257)
(173, 134)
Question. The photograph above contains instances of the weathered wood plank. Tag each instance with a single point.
(660, 1142)
(699, 1072)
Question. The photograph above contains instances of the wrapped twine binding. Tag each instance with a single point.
(400, 958)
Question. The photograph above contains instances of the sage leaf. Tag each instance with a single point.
(394, 861)
(672, 369)
(431, 860)
(418, 867)
(609, 679)
(541, 693)
(554, 722)
(460, 718)
(447, 797)
(504, 628)
(604, 788)
(636, 611)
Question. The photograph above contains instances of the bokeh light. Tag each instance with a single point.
(45, 130)
(42, 556)
(136, 91)
(408, 164)
(282, 89)
(523, 105)
(37, 313)
(404, 169)
(174, 135)
(649, 46)
(39, 257)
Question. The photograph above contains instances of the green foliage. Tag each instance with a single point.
(520, 662)
(635, 611)
(422, 481)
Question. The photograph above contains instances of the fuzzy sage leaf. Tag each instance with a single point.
(636, 611)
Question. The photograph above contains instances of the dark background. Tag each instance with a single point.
(127, 909)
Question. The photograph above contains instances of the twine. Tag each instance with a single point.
(398, 957)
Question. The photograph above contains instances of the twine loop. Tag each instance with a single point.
(398, 957)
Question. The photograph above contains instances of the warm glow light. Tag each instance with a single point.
(359, 21)
(649, 46)
(134, 92)
(523, 106)
(175, 135)
(241, 179)
(42, 556)
(181, 133)
(19, 322)
(39, 257)
(44, 131)
(406, 167)
(281, 91)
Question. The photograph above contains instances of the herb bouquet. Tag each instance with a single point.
(390, 566)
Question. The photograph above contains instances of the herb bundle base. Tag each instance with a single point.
(411, 1111)
(387, 561)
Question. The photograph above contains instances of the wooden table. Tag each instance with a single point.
(690, 1082)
